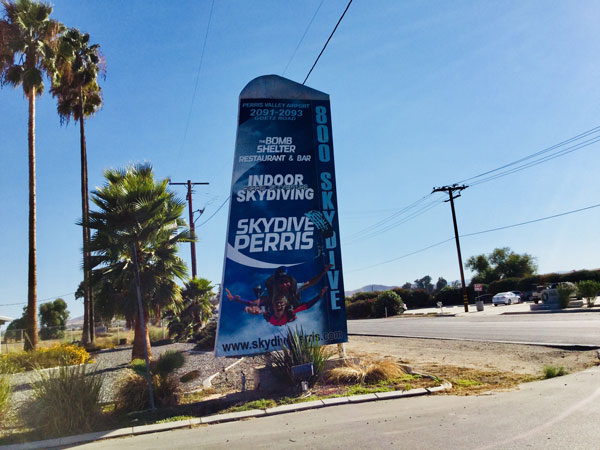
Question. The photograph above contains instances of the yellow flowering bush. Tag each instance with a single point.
(57, 355)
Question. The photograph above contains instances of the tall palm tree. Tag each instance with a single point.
(137, 215)
(79, 96)
(28, 47)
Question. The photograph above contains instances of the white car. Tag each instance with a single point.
(506, 298)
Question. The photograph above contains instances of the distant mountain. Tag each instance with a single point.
(370, 288)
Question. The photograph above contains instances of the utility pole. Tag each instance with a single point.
(188, 197)
(450, 190)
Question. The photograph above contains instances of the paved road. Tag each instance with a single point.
(560, 328)
(559, 413)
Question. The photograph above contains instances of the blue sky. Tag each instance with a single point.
(422, 93)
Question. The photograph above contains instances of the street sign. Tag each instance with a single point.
(478, 287)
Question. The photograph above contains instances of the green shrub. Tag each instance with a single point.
(589, 290)
(167, 363)
(361, 296)
(564, 293)
(298, 349)
(65, 401)
(361, 309)
(389, 301)
(554, 371)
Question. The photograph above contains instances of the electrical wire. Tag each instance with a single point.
(477, 233)
(328, 39)
(213, 214)
(376, 229)
(535, 154)
(187, 125)
(303, 36)
(42, 301)
(411, 216)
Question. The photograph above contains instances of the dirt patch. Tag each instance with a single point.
(472, 367)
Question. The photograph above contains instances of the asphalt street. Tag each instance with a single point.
(560, 328)
(559, 413)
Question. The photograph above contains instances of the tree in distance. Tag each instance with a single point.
(17, 324)
(440, 284)
(53, 318)
(501, 263)
(79, 96)
(424, 283)
(28, 47)
(137, 215)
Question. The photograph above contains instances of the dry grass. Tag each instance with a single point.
(365, 372)
(468, 381)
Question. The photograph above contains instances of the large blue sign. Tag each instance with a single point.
(283, 264)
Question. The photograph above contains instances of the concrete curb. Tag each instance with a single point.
(227, 417)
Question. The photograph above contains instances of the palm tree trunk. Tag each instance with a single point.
(88, 308)
(32, 338)
(141, 337)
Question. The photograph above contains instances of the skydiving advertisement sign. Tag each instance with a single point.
(283, 264)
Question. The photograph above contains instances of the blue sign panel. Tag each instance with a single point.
(283, 263)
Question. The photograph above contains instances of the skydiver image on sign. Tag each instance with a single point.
(281, 300)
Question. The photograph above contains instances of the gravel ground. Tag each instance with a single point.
(113, 363)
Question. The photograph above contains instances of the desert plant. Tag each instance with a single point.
(300, 348)
(387, 303)
(554, 371)
(564, 292)
(589, 290)
(365, 373)
(132, 393)
(65, 401)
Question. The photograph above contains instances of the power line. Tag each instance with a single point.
(303, 36)
(538, 153)
(213, 214)
(411, 216)
(391, 217)
(187, 125)
(372, 231)
(328, 39)
(531, 221)
(42, 301)
(540, 160)
(474, 234)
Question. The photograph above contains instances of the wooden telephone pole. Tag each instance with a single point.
(188, 197)
(450, 190)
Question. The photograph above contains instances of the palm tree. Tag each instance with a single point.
(137, 215)
(79, 96)
(27, 52)
(195, 309)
